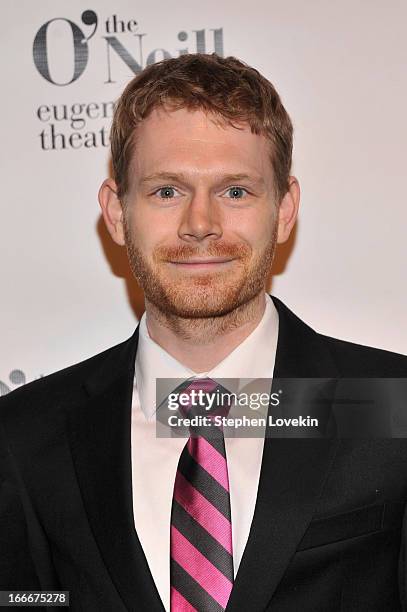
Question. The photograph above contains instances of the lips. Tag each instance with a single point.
(194, 261)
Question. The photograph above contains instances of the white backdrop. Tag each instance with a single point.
(340, 69)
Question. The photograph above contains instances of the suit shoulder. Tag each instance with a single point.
(55, 387)
(351, 359)
(361, 360)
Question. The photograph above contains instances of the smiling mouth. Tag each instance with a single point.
(201, 263)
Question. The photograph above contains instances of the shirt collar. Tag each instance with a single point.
(253, 358)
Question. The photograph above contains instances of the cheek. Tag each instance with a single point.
(266, 224)
(148, 232)
(255, 228)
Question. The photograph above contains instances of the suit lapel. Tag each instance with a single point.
(100, 438)
(291, 478)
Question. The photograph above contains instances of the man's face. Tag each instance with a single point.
(200, 216)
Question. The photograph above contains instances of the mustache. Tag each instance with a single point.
(185, 251)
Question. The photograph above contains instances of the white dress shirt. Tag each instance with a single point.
(155, 460)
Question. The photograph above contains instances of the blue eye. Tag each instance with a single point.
(236, 192)
(166, 193)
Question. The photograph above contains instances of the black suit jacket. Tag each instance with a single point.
(327, 532)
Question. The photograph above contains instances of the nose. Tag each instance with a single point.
(200, 219)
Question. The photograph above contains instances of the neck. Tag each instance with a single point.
(200, 344)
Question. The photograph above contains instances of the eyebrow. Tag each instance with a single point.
(222, 178)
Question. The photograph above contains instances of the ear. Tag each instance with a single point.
(112, 210)
(288, 210)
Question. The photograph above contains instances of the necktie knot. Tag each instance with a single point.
(204, 397)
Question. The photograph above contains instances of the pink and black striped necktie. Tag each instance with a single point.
(201, 566)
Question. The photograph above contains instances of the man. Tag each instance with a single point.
(92, 501)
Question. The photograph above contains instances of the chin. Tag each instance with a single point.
(200, 302)
(198, 311)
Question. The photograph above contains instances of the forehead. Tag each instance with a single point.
(195, 142)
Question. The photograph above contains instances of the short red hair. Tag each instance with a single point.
(226, 87)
